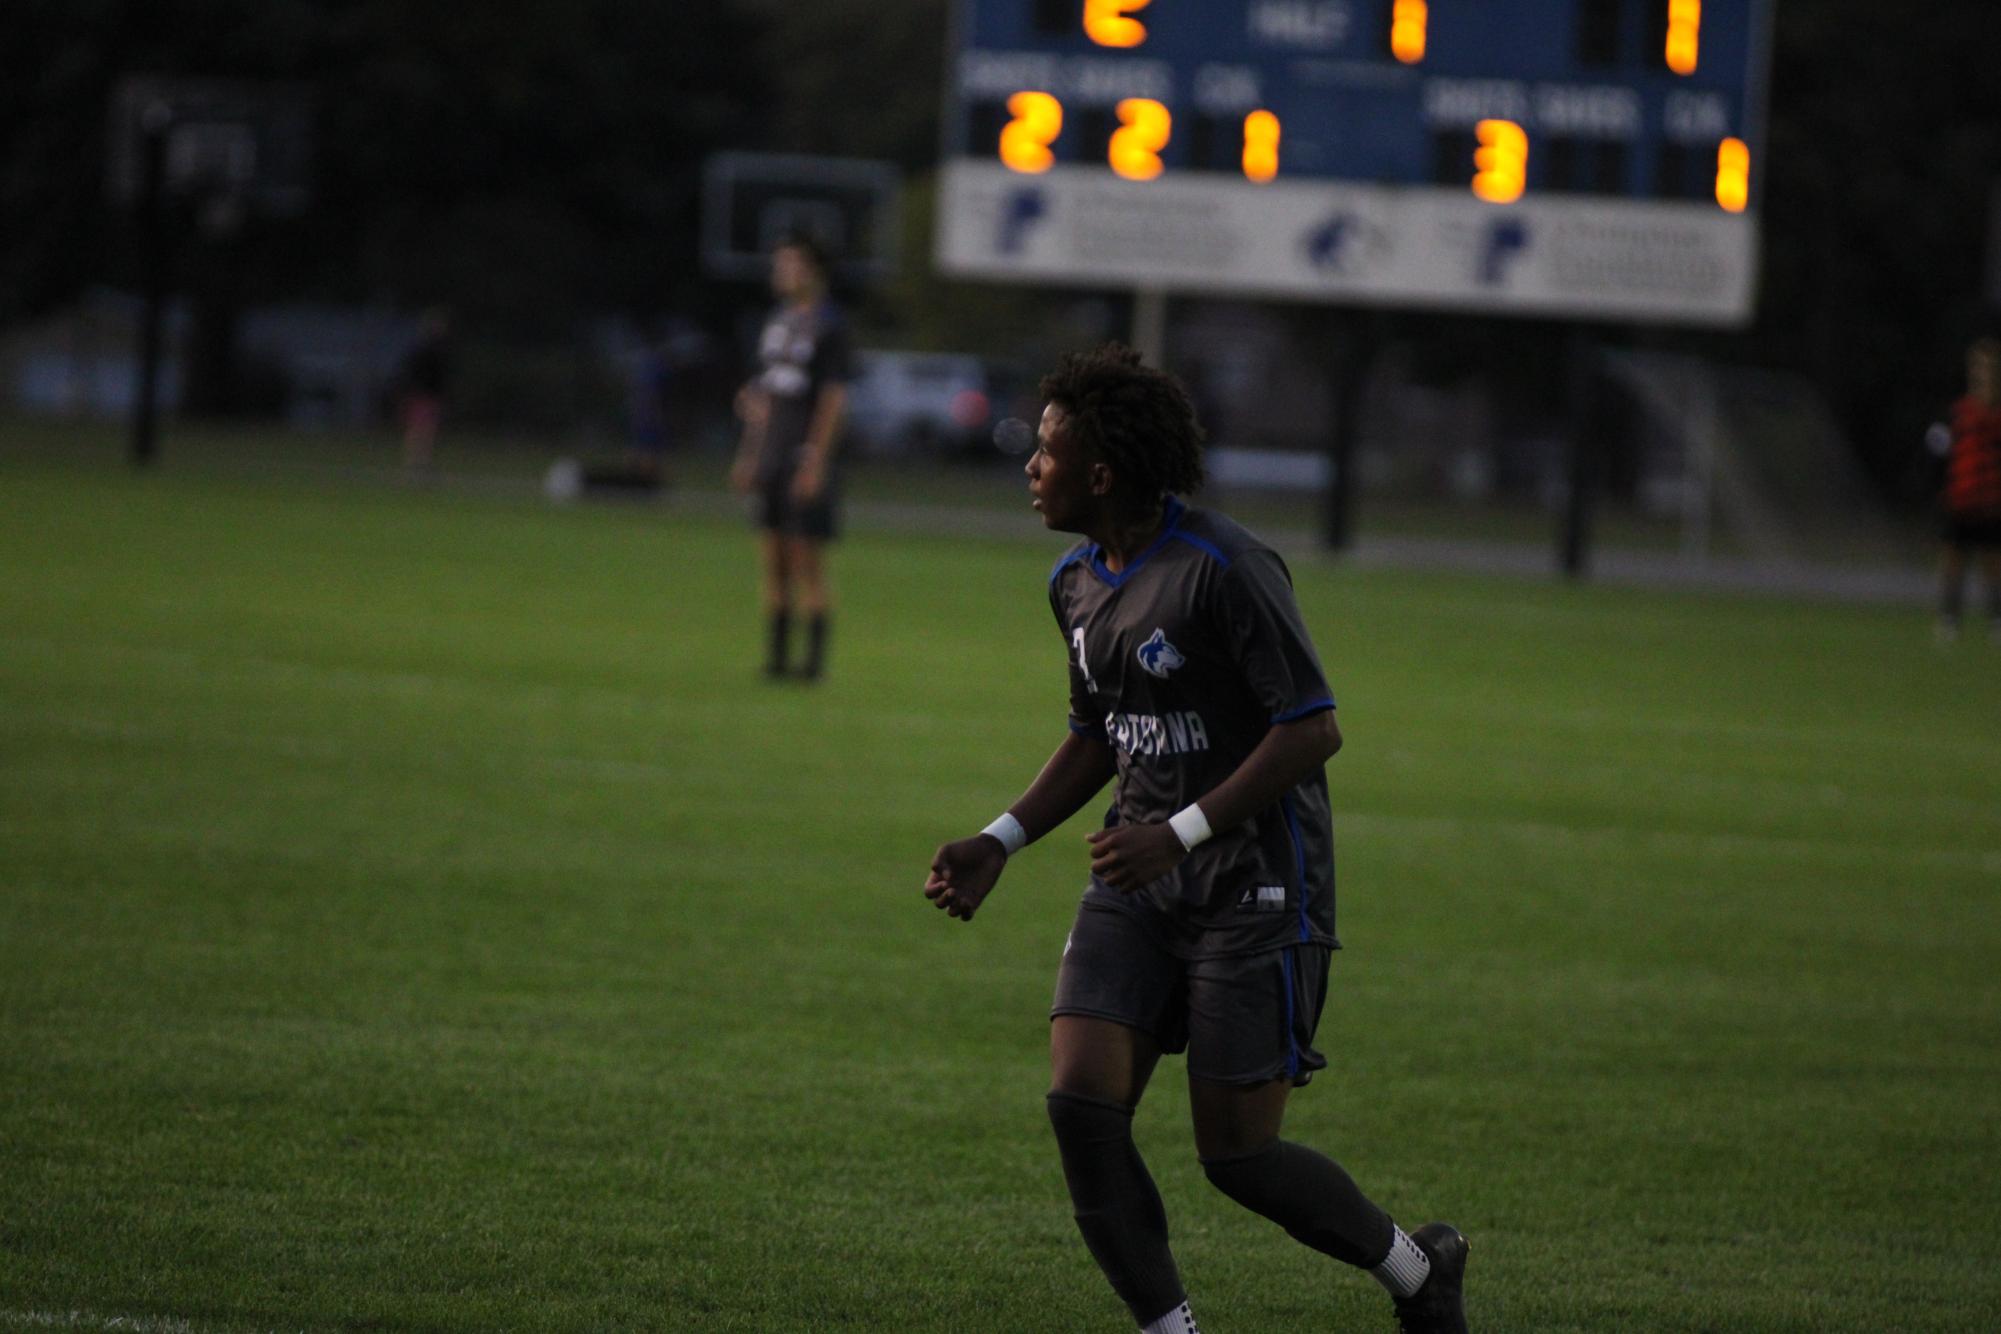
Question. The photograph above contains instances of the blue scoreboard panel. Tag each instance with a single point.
(1587, 158)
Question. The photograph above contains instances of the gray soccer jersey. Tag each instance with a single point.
(1182, 662)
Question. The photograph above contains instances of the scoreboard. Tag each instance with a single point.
(1580, 158)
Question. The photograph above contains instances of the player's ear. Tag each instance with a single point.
(1102, 479)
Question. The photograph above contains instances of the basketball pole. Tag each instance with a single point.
(155, 124)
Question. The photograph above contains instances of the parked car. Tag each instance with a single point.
(915, 403)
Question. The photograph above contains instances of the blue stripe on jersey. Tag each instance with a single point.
(1293, 715)
(1203, 545)
(1096, 732)
(1291, 1035)
(1298, 860)
(1175, 509)
(1071, 559)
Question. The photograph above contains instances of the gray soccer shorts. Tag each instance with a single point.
(1242, 1018)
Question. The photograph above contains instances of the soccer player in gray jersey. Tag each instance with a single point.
(1209, 917)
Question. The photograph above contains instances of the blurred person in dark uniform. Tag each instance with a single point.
(646, 411)
(792, 412)
(421, 382)
(1970, 445)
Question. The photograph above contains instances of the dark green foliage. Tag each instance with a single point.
(523, 160)
(1877, 212)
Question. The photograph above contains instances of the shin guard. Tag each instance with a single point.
(1116, 1206)
(1308, 1195)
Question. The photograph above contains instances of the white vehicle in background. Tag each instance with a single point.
(904, 404)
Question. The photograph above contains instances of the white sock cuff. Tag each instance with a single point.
(1405, 1268)
(1180, 1320)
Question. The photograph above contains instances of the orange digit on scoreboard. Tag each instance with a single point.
(1024, 140)
(1409, 20)
(1684, 35)
(1260, 146)
(1733, 175)
(1501, 161)
(1144, 127)
(1105, 22)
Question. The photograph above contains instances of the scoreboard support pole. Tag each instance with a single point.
(1149, 325)
(1357, 359)
(1574, 544)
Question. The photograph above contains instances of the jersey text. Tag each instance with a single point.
(1153, 734)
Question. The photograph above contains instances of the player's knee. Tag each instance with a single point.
(1081, 1120)
(1249, 1176)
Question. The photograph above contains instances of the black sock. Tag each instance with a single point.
(1115, 1203)
(1309, 1196)
(816, 644)
(781, 638)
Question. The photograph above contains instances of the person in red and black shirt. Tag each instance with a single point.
(421, 381)
(1971, 446)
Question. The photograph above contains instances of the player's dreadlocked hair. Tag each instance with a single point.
(1137, 419)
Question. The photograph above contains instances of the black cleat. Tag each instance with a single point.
(1439, 1306)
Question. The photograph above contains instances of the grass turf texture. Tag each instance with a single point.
(415, 914)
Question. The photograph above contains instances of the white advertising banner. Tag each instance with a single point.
(1572, 256)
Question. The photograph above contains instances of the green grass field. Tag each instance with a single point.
(416, 914)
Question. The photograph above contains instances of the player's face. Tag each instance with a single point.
(1065, 485)
(792, 273)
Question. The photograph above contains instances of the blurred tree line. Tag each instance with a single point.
(531, 163)
(1884, 155)
(519, 159)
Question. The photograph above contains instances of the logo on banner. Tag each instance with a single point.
(1505, 241)
(1343, 243)
(1020, 212)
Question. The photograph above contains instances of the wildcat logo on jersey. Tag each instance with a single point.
(1158, 656)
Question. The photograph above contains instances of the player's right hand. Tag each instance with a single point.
(743, 477)
(962, 874)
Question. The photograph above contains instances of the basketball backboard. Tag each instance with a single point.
(218, 138)
(752, 201)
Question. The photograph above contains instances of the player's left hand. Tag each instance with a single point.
(807, 483)
(964, 873)
(1129, 856)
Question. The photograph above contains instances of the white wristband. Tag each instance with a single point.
(1013, 838)
(1191, 826)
